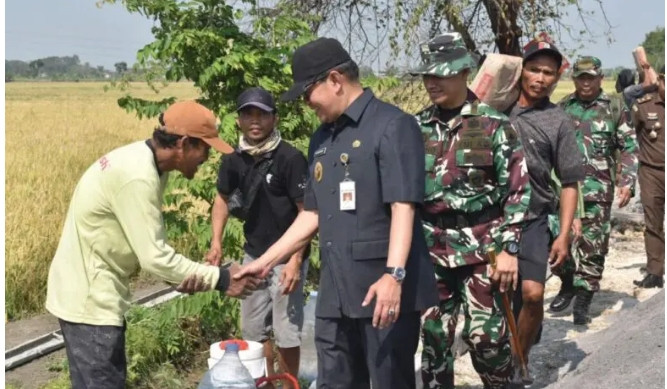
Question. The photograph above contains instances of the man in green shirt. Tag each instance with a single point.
(114, 225)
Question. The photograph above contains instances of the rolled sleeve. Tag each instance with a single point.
(569, 159)
(401, 162)
(626, 141)
(513, 180)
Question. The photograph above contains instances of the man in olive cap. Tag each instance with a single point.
(114, 226)
(476, 195)
(602, 128)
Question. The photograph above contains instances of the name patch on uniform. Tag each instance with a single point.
(475, 142)
(652, 115)
(474, 157)
(320, 152)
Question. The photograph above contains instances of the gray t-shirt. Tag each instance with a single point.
(549, 142)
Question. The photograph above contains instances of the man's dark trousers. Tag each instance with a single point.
(96, 355)
(351, 353)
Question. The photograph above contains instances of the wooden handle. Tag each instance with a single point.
(511, 323)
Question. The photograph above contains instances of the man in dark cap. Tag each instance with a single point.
(548, 139)
(649, 119)
(365, 186)
(267, 175)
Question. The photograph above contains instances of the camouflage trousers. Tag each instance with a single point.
(587, 254)
(466, 288)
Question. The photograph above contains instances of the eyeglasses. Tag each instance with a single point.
(308, 89)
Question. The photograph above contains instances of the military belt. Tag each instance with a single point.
(457, 220)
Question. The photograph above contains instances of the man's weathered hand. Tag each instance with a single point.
(624, 194)
(506, 273)
(192, 284)
(243, 286)
(388, 304)
(560, 249)
(214, 255)
(290, 277)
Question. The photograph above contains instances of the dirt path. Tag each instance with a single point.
(553, 356)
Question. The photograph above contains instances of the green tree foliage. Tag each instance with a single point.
(654, 45)
(35, 66)
(121, 67)
(202, 41)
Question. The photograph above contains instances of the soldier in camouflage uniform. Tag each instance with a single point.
(600, 132)
(477, 191)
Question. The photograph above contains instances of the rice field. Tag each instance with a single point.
(54, 131)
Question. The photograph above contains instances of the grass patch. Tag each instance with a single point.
(167, 346)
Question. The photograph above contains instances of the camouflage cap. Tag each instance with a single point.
(587, 65)
(444, 55)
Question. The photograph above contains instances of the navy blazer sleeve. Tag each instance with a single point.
(401, 157)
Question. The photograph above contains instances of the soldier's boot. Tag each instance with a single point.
(650, 281)
(565, 294)
(582, 304)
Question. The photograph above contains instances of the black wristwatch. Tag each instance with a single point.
(511, 247)
(397, 272)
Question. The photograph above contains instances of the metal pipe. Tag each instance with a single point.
(48, 343)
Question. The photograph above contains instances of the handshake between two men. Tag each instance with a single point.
(233, 285)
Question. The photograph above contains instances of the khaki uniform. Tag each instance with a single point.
(649, 118)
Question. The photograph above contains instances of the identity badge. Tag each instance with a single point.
(348, 196)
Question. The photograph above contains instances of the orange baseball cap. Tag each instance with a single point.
(189, 118)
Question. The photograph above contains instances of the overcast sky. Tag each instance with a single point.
(103, 36)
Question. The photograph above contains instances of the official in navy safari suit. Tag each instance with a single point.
(364, 193)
